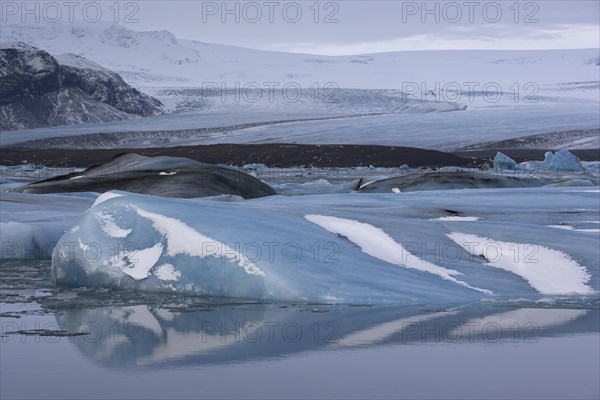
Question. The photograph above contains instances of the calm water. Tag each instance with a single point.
(155, 346)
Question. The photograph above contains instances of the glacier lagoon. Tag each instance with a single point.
(473, 304)
(490, 294)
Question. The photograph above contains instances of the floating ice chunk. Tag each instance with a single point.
(547, 270)
(167, 173)
(591, 165)
(376, 243)
(504, 162)
(564, 160)
(359, 264)
(25, 241)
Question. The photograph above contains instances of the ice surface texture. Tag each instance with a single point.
(350, 248)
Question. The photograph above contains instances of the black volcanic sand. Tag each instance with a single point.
(272, 155)
(282, 155)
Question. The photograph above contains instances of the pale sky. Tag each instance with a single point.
(358, 27)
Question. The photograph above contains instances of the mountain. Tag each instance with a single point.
(159, 59)
(39, 90)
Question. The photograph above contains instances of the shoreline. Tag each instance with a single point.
(283, 155)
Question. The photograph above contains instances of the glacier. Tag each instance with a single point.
(369, 92)
(362, 248)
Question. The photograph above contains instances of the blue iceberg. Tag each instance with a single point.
(566, 161)
(504, 162)
(351, 248)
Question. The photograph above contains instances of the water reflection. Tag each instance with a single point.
(146, 336)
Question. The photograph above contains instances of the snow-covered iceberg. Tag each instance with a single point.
(351, 248)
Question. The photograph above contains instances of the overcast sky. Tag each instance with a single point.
(354, 27)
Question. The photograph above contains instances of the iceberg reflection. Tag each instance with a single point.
(148, 337)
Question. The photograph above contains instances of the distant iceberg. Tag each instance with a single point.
(564, 160)
(504, 162)
(561, 161)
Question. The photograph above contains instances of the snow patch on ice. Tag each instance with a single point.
(456, 218)
(106, 196)
(109, 226)
(167, 272)
(138, 263)
(82, 245)
(564, 227)
(183, 239)
(548, 271)
(377, 243)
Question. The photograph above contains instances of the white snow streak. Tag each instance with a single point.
(376, 243)
(547, 270)
(183, 239)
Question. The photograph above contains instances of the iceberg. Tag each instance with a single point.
(564, 160)
(212, 248)
(369, 248)
(504, 162)
(31, 225)
(561, 161)
(160, 176)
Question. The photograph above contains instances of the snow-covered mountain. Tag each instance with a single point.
(39, 90)
(158, 58)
